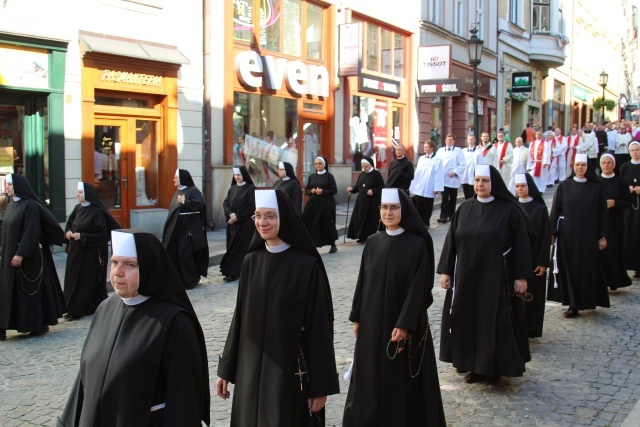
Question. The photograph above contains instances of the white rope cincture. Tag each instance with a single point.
(556, 270)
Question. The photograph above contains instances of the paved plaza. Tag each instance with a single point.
(584, 371)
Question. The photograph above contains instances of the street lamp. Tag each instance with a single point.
(604, 79)
(474, 48)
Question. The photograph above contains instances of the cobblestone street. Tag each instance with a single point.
(584, 371)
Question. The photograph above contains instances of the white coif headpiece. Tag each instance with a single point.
(281, 165)
(8, 178)
(123, 244)
(322, 160)
(266, 199)
(81, 186)
(581, 158)
(608, 155)
(630, 144)
(521, 178)
(237, 171)
(483, 170)
(390, 195)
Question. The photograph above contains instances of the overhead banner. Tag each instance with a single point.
(349, 49)
(521, 82)
(434, 62)
(378, 85)
(439, 87)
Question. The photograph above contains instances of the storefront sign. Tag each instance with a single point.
(378, 85)
(350, 49)
(301, 79)
(24, 67)
(466, 78)
(439, 87)
(434, 62)
(522, 82)
(135, 79)
(580, 93)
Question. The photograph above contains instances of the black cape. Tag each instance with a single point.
(240, 200)
(580, 279)
(28, 304)
(483, 325)
(136, 357)
(283, 307)
(394, 290)
(400, 174)
(319, 214)
(85, 277)
(631, 174)
(366, 212)
(183, 221)
(537, 286)
(613, 256)
(291, 187)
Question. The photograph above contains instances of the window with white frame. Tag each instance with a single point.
(560, 18)
(540, 18)
(516, 12)
(435, 12)
(458, 24)
(480, 19)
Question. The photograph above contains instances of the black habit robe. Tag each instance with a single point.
(137, 357)
(630, 172)
(615, 273)
(366, 212)
(29, 302)
(186, 219)
(394, 291)
(537, 286)
(400, 174)
(580, 279)
(291, 187)
(85, 277)
(483, 325)
(240, 200)
(283, 305)
(319, 214)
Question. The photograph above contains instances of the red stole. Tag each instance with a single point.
(486, 151)
(503, 152)
(571, 148)
(537, 158)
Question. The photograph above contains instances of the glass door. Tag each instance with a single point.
(311, 148)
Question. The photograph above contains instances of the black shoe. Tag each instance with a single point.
(3, 334)
(38, 333)
(333, 249)
(70, 317)
(549, 185)
(230, 278)
(494, 379)
(441, 220)
(461, 371)
(192, 285)
(360, 241)
(472, 377)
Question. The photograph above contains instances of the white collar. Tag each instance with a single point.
(16, 198)
(634, 162)
(181, 187)
(138, 299)
(286, 178)
(321, 173)
(604, 175)
(487, 200)
(277, 249)
(395, 232)
(85, 204)
(400, 158)
(369, 171)
(240, 184)
(525, 200)
(576, 179)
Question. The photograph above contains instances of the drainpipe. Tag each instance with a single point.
(207, 184)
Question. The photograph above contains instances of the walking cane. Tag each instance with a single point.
(346, 219)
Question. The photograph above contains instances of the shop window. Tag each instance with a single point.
(437, 109)
(146, 163)
(369, 130)
(314, 33)
(265, 132)
(123, 102)
(242, 20)
(280, 28)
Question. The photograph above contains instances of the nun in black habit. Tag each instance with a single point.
(484, 265)
(279, 350)
(289, 184)
(630, 172)
(616, 195)
(31, 297)
(578, 224)
(184, 236)
(391, 387)
(534, 205)
(144, 361)
(238, 206)
(88, 232)
(366, 213)
(319, 214)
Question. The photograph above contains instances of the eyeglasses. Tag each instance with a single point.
(391, 208)
(267, 217)
(319, 163)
